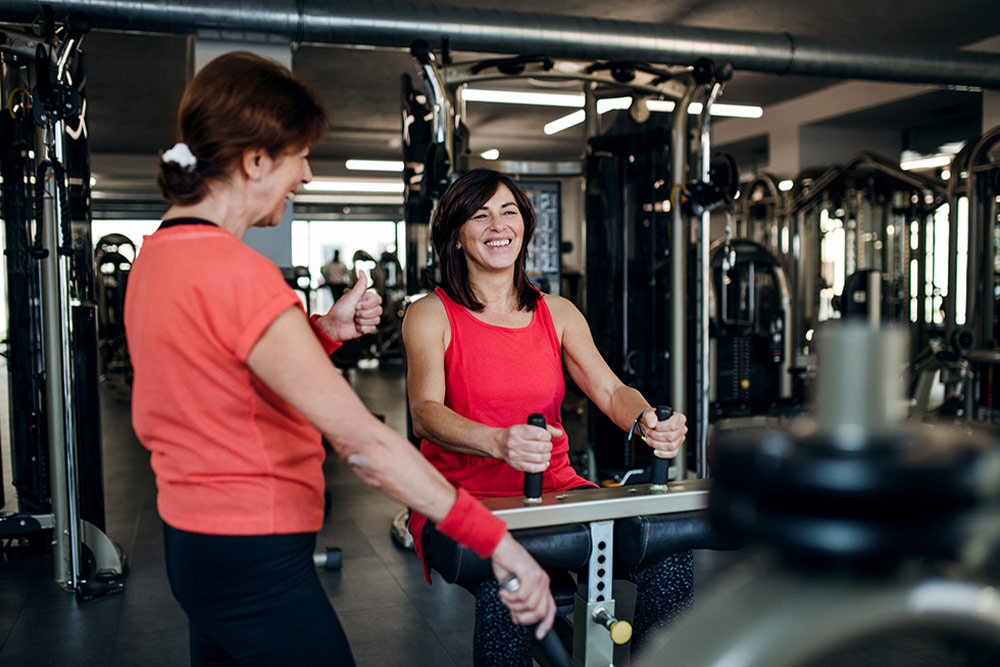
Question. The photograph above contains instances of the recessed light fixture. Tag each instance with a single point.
(491, 154)
(374, 165)
(607, 104)
(929, 162)
(566, 122)
(339, 185)
(573, 100)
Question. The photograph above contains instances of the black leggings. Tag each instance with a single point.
(253, 600)
(664, 589)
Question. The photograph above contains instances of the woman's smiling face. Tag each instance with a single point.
(284, 177)
(492, 236)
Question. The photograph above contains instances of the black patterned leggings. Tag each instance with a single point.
(664, 589)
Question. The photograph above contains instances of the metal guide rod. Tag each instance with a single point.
(589, 505)
(64, 555)
(704, 275)
(873, 299)
(678, 265)
(67, 49)
(65, 334)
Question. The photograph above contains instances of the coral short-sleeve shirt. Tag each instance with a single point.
(230, 456)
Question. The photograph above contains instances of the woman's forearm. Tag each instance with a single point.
(446, 428)
(626, 403)
(387, 461)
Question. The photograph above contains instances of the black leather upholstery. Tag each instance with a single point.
(639, 539)
(565, 547)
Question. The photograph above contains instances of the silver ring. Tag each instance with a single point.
(511, 583)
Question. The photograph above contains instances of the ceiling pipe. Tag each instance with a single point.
(397, 24)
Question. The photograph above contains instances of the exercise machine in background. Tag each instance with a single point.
(113, 258)
(53, 354)
(869, 529)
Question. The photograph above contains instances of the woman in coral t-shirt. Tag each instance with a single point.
(233, 387)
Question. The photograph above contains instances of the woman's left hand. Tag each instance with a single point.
(665, 437)
(354, 314)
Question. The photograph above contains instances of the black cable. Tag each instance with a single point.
(65, 216)
(36, 249)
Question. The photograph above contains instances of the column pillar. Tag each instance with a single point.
(275, 243)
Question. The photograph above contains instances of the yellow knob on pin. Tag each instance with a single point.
(621, 632)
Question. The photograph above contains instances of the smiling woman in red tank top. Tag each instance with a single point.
(487, 349)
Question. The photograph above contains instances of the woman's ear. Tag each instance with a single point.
(255, 162)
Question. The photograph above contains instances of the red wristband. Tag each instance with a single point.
(472, 525)
(329, 345)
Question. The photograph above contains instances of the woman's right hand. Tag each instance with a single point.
(527, 448)
(532, 601)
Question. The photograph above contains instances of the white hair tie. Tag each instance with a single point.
(180, 155)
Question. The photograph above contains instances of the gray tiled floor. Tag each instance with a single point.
(389, 613)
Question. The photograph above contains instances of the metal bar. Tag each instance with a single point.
(65, 380)
(18, 43)
(873, 299)
(460, 73)
(63, 558)
(592, 645)
(987, 210)
(602, 536)
(950, 297)
(678, 266)
(397, 24)
(703, 275)
(604, 504)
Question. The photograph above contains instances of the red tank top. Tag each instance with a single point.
(498, 376)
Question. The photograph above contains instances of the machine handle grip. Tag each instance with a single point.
(553, 649)
(661, 467)
(550, 644)
(533, 480)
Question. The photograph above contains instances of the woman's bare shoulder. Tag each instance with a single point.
(426, 311)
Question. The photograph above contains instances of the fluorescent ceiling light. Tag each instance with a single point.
(607, 104)
(331, 185)
(930, 162)
(572, 100)
(491, 154)
(576, 101)
(566, 122)
(731, 110)
(374, 165)
(355, 199)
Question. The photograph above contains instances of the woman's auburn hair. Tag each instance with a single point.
(460, 201)
(237, 102)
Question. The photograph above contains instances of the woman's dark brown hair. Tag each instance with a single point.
(239, 101)
(465, 196)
